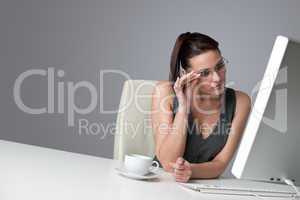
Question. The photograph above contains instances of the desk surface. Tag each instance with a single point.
(31, 172)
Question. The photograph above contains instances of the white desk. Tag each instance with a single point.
(36, 173)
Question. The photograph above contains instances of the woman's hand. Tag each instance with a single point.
(183, 88)
(182, 170)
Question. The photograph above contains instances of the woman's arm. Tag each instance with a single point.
(169, 133)
(217, 166)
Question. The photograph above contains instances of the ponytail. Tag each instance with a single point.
(175, 57)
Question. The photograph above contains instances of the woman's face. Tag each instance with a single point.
(212, 71)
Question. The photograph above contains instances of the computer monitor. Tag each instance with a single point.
(270, 146)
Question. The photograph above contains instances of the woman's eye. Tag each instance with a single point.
(205, 73)
(219, 66)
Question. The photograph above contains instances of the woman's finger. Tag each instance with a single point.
(180, 178)
(183, 180)
(187, 78)
(177, 87)
(180, 161)
(175, 166)
(179, 166)
(179, 172)
(192, 82)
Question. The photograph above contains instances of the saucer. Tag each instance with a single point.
(121, 170)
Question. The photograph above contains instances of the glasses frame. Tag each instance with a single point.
(223, 60)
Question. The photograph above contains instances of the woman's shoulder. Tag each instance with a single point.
(164, 84)
(242, 97)
(164, 87)
(243, 101)
(239, 95)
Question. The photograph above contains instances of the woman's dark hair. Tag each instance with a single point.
(188, 45)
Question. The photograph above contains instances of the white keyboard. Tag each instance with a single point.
(217, 189)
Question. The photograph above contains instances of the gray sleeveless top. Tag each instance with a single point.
(199, 149)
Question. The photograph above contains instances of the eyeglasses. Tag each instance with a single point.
(204, 73)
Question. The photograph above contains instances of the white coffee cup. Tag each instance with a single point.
(140, 164)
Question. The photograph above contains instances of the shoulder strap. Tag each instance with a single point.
(230, 102)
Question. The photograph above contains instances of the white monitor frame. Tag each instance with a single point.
(257, 135)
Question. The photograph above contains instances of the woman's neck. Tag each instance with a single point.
(207, 104)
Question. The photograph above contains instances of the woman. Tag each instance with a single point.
(197, 121)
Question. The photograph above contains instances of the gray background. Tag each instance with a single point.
(135, 36)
